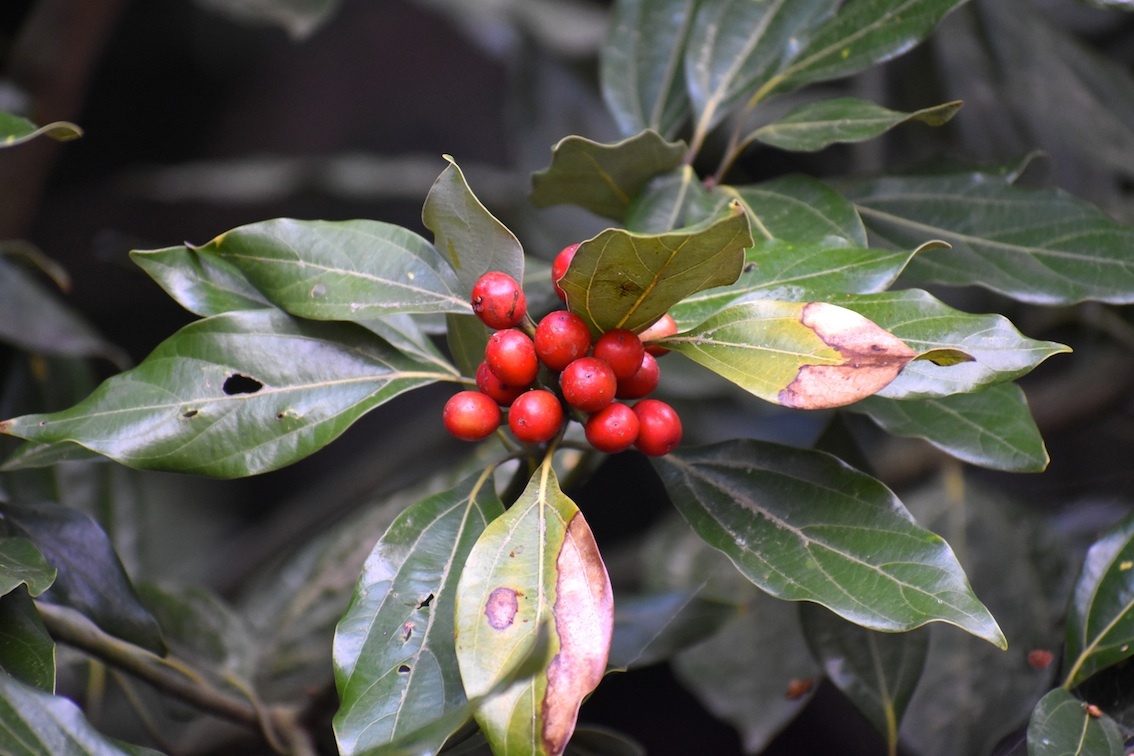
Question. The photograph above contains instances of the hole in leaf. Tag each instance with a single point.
(403, 669)
(241, 384)
(425, 602)
(407, 632)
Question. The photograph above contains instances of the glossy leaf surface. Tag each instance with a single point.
(878, 672)
(202, 282)
(27, 650)
(21, 563)
(991, 428)
(1035, 245)
(801, 355)
(15, 129)
(340, 270)
(624, 280)
(999, 351)
(1061, 725)
(641, 71)
(535, 564)
(603, 178)
(467, 234)
(817, 125)
(395, 662)
(1100, 621)
(236, 394)
(853, 548)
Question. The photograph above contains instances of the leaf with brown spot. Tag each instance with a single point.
(536, 564)
(803, 355)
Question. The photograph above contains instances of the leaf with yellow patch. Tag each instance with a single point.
(538, 563)
(803, 355)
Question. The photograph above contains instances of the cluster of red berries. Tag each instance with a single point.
(592, 375)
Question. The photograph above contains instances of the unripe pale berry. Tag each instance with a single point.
(612, 429)
(471, 415)
(498, 300)
(661, 328)
(588, 384)
(560, 338)
(535, 416)
(511, 357)
(559, 268)
(659, 427)
(622, 350)
(643, 382)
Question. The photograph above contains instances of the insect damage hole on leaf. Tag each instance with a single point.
(425, 602)
(241, 384)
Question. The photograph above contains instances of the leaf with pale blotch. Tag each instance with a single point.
(340, 270)
(802, 355)
(805, 526)
(1100, 618)
(235, 394)
(1061, 724)
(816, 125)
(466, 234)
(395, 665)
(15, 129)
(603, 178)
(624, 280)
(878, 672)
(536, 563)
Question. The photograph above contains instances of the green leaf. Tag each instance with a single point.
(877, 672)
(36, 723)
(15, 129)
(35, 320)
(536, 563)
(199, 626)
(202, 282)
(620, 279)
(991, 428)
(340, 270)
(641, 64)
(817, 125)
(1061, 724)
(1100, 619)
(27, 651)
(1035, 245)
(1000, 352)
(603, 178)
(21, 563)
(90, 577)
(395, 661)
(802, 355)
(652, 627)
(466, 234)
(799, 210)
(299, 18)
(235, 394)
(670, 201)
(854, 548)
(736, 47)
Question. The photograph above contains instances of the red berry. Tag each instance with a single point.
(498, 300)
(588, 384)
(622, 350)
(535, 416)
(659, 427)
(560, 338)
(511, 357)
(471, 415)
(489, 384)
(559, 267)
(662, 327)
(643, 382)
(612, 429)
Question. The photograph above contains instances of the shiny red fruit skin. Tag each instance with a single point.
(511, 357)
(498, 300)
(643, 382)
(535, 416)
(559, 268)
(561, 338)
(659, 427)
(622, 350)
(588, 384)
(500, 392)
(471, 415)
(662, 327)
(612, 429)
